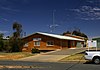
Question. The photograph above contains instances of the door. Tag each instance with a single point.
(69, 45)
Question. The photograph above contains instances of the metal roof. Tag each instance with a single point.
(60, 36)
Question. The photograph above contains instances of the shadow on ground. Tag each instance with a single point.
(90, 62)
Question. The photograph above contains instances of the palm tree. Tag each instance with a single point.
(18, 27)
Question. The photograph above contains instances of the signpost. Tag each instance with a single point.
(92, 43)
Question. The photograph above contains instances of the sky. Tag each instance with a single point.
(52, 16)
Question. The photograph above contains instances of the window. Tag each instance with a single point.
(50, 43)
(26, 45)
(36, 39)
(36, 43)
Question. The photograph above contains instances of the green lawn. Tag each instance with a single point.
(13, 56)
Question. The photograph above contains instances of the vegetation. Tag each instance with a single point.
(34, 50)
(76, 32)
(14, 43)
(1, 42)
(14, 55)
(18, 29)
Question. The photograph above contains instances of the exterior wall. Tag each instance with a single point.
(72, 44)
(98, 41)
(58, 43)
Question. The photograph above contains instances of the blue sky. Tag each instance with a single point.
(37, 15)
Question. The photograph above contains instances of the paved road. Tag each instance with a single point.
(54, 56)
(48, 66)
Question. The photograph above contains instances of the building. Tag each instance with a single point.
(46, 41)
(98, 40)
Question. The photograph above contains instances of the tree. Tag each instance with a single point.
(18, 27)
(16, 44)
(76, 32)
(1, 42)
(68, 32)
(15, 41)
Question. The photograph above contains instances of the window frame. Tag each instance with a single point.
(52, 43)
(36, 43)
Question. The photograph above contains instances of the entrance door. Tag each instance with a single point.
(69, 44)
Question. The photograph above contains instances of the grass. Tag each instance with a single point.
(75, 57)
(13, 56)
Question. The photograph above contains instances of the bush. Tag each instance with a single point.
(34, 50)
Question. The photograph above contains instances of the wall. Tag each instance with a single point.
(98, 41)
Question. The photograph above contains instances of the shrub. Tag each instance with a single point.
(34, 50)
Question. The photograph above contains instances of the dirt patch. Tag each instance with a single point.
(13, 56)
(11, 66)
(1, 56)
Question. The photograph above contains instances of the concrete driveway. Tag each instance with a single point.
(44, 58)
(53, 56)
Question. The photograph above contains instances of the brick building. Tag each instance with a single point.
(46, 41)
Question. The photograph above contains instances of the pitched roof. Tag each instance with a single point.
(58, 36)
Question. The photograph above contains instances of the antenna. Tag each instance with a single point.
(23, 34)
(53, 25)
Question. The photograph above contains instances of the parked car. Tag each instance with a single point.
(93, 56)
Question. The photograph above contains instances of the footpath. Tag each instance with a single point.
(53, 56)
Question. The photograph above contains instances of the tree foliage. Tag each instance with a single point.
(14, 43)
(18, 29)
(68, 32)
(1, 42)
(76, 32)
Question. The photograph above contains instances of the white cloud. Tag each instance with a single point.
(4, 19)
(96, 9)
(88, 12)
(9, 9)
(86, 9)
(88, 18)
(75, 10)
(4, 31)
(90, 1)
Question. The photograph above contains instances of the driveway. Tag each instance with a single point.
(53, 56)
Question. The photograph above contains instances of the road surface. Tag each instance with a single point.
(26, 65)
